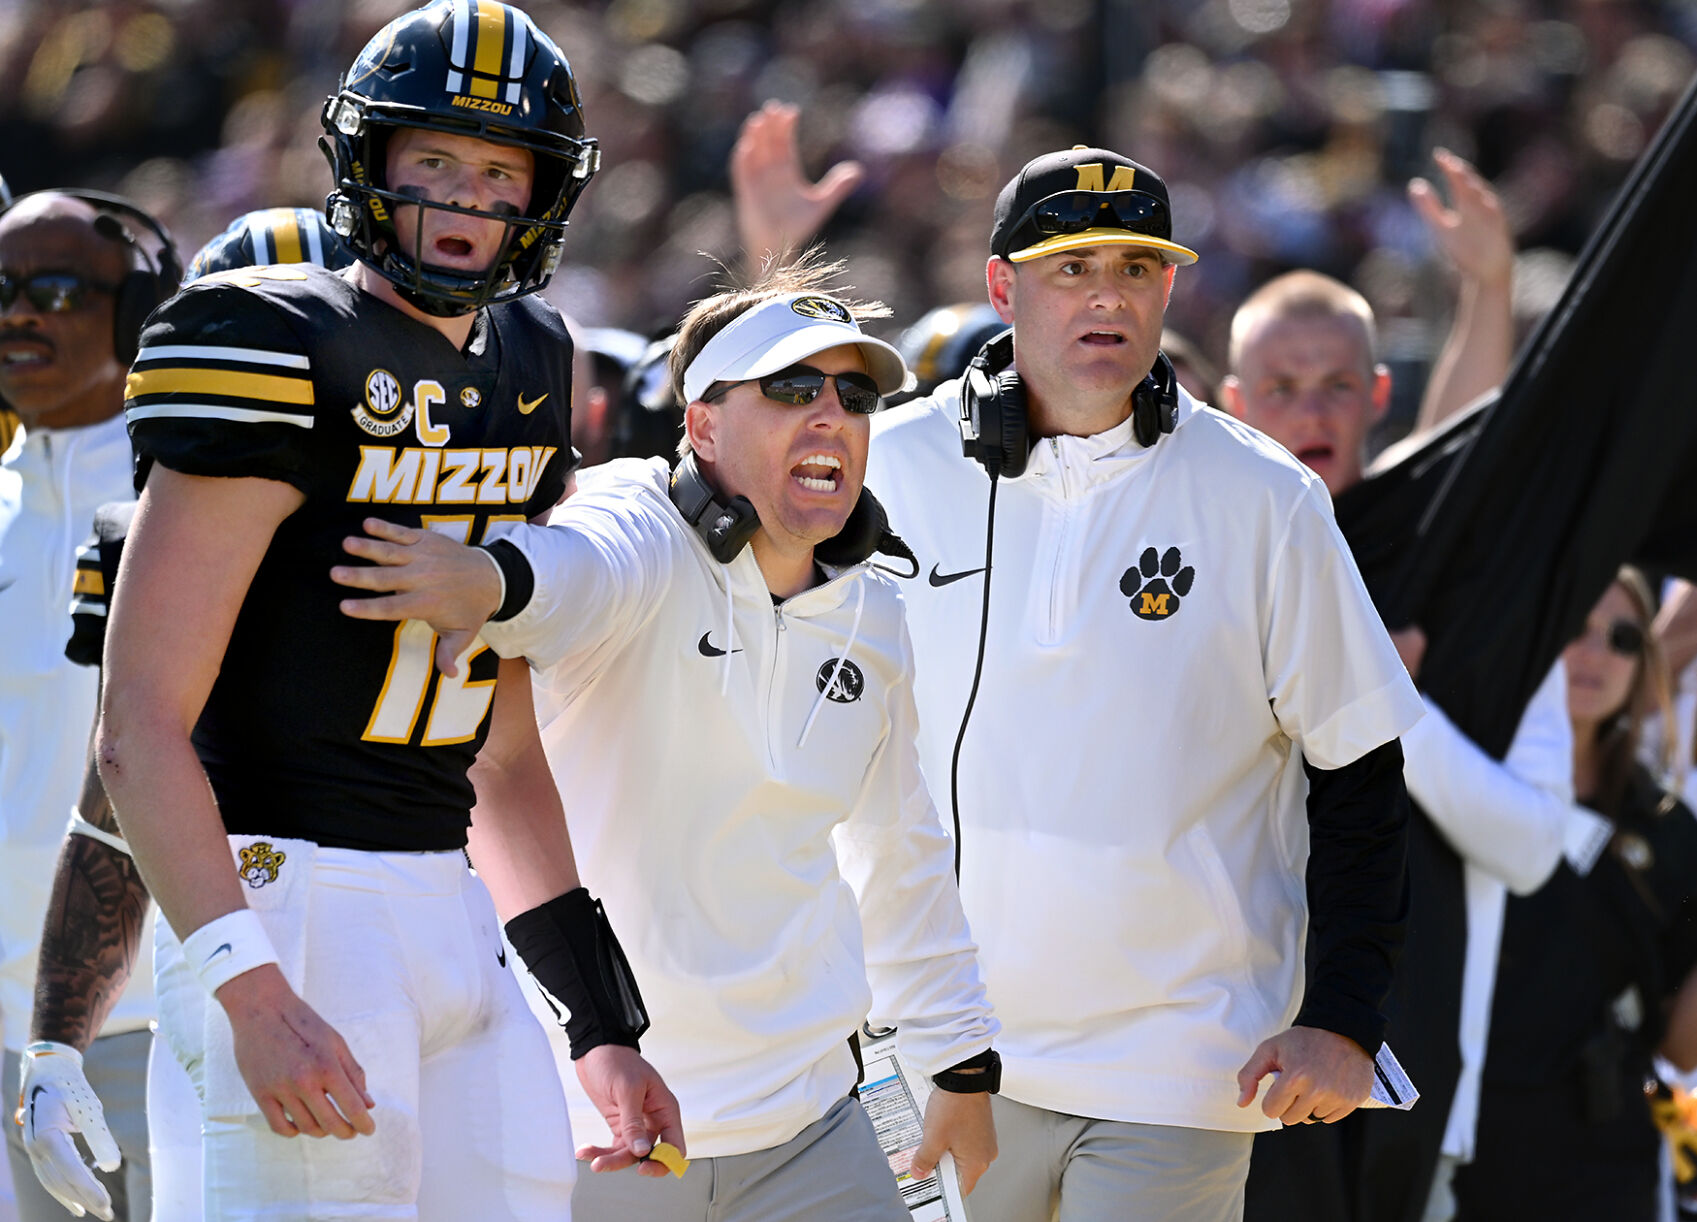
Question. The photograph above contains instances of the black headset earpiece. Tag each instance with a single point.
(150, 280)
(865, 533)
(1154, 403)
(725, 526)
(993, 425)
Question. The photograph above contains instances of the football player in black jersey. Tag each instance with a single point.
(297, 786)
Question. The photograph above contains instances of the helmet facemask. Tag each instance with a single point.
(396, 84)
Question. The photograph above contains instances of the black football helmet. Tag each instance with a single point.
(467, 68)
(271, 235)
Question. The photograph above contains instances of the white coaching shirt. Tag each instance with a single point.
(764, 850)
(1168, 628)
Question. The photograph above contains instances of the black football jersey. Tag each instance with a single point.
(91, 591)
(320, 726)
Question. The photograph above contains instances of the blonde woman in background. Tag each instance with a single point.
(1590, 978)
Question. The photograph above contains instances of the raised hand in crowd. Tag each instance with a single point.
(778, 208)
(1474, 236)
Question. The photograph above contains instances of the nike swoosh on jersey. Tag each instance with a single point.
(707, 650)
(501, 955)
(526, 408)
(33, 1096)
(943, 579)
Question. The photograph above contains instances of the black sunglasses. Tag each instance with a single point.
(1625, 638)
(801, 384)
(1076, 211)
(50, 292)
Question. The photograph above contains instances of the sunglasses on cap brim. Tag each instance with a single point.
(50, 292)
(802, 384)
(1076, 211)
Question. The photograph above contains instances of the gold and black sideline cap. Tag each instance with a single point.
(1083, 197)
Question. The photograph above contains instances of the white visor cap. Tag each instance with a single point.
(785, 331)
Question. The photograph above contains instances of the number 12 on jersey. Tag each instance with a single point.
(460, 703)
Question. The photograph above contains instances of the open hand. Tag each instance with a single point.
(424, 575)
(638, 1107)
(298, 1069)
(56, 1103)
(777, 208)
(1472, 232)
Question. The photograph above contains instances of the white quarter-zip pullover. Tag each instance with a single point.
(758, 831)
(51, 482)
(1168, 628)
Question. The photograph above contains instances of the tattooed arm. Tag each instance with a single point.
(93, 929)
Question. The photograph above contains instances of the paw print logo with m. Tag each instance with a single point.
(1156, 583)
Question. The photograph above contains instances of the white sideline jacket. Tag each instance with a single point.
(759, 870)
(1134, 830)
(51, 483)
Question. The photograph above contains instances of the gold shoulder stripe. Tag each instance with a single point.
(89, 582)
(180, 381)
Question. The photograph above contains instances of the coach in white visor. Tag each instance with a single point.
(725, 685)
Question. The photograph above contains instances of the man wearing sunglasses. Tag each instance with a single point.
(725, 687)
(61, 261)
(1182, 738)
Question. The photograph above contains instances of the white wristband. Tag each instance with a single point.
(223, 949)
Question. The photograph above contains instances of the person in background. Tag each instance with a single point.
(1596, 973)
(1139, 903)
(93, 935)
(77, 277)
(1305, 372)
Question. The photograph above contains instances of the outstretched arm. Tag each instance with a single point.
(1475, 237)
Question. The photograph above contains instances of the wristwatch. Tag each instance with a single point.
(987, 1081)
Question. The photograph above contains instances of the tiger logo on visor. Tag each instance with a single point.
(824, 308)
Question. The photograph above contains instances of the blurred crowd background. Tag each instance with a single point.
(1287, 129)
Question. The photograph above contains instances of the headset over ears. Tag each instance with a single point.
(994, 426)
(149, 281)
(727, 526)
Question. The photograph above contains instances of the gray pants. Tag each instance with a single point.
(1077, 1169)
(833, 1169)
(116, 1066)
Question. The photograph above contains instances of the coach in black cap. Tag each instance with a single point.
(1182, 741)
(1084, 197)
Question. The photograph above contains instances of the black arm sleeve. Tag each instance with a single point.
(1357, 892)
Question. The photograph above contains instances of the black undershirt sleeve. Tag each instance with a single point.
(1357, 892)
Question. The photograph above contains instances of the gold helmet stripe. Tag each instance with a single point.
(491, 44)
(285, 236)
